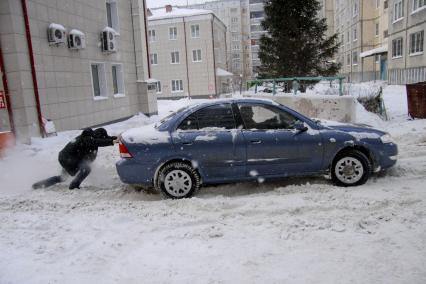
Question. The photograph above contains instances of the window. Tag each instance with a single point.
(218, 116)
(153, 58)
(256, 14)
(234, 20)
(158, 87)
(355, 8)
(377, 58)
(117, 79)
(385, 4)
(112, 14)
(342, 39)
(195, 31)
(416, 42)
(265, 117)
(355, 36)
(151, 36)
(397, 48)
(173, 33)
(385, 33)
(348, 59)
(175, 57)
(355, 58)
(398, 10)
(189, 123)
(377, 29)
(196, 55)
(237, 46)
(98, 80)
(418, 4)
(177, 86)
(377, 4)
(235, 37)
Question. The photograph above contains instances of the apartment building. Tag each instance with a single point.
(362, 29)
(235, 15)
(257, 15)
(76, 63)
(327, 12)
(407, 25)
(188, 54)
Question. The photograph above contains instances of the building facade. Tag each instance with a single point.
(327, 12)
(257, 15)
(188, 54)
(362, 26)
(407, 25)
(235, 15)
(76, 63)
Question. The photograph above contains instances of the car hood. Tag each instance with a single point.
(355, 129)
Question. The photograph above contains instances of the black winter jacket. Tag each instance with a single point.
(82, 149)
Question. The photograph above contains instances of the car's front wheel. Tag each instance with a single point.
(350, 168)
(178, 180)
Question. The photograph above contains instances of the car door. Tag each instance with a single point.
(274, 147)
(209, 137)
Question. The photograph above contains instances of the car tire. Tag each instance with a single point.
(178, 180)
(350, 168)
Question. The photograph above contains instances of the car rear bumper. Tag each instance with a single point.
(132, 172)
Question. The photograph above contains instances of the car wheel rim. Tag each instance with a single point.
(349, 170)
(178, 183)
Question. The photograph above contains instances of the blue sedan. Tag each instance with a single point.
(248, 139)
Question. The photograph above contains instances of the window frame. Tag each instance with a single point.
(197, 118)
(173, 85)
(152, 35)
(354, 56)
(396, 55)
(119, 79)
(152, 56)
(400, 4)
(198, 56)
(175, 35)
(418, 43)
(195, 31)
(271, 108)
(112, 16)
(419, 8)
(158, 87)
(102, 81)
(173, 56)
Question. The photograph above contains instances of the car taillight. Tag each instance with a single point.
(124, 153)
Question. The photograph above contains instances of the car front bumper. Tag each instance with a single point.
(387, 156)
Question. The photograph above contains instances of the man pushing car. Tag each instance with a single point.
(76, 157)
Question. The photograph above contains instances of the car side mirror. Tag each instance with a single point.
(300, 126)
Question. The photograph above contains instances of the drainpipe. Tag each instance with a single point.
(214, 59)
(146, 38)
(186, 57)
(6, 91)
(33, 70)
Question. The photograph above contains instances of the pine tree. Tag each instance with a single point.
(296, 43)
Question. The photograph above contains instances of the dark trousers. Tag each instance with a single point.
(82, 172)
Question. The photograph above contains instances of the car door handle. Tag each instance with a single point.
(255, 141)
(187, 143)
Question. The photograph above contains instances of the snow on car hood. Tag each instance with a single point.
(146, 134)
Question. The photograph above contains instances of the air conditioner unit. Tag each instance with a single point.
(56, 34)
(76, 39)
(109, 42)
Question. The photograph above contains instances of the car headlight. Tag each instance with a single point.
(387, 138)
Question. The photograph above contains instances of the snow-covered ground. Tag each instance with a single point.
(292, 231)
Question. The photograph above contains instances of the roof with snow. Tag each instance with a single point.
(223, 73)
(161, 13)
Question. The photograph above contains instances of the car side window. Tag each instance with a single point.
(189, 123)
(216, 116)
(265, 117)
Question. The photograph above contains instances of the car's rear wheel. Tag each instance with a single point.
(178, 180)
(351, 168)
